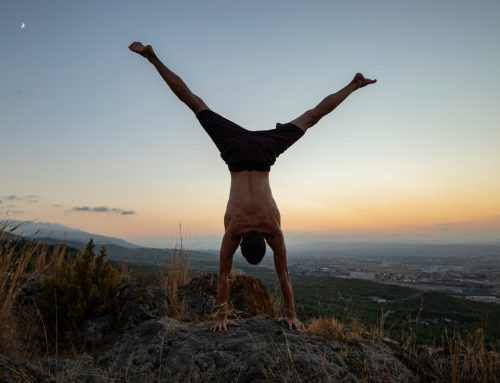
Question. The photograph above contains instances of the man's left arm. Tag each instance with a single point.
(228, 247)
(277, 244)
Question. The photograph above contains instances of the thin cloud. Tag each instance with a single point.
(103, 209)
(127, 212)
(31, 198)
(83, 208)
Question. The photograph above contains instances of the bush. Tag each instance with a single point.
(80, 288)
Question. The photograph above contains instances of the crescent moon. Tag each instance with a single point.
(23, 25)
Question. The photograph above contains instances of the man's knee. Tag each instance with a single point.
(196, 104)
(308, 119)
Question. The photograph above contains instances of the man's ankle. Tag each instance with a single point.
(152, 58)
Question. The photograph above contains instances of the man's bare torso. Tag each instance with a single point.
(251, 205)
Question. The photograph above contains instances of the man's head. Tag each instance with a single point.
(253, 247)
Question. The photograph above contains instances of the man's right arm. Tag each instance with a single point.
(228, 248)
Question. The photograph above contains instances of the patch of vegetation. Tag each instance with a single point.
(79, 288)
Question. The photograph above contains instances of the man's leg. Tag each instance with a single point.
(175, 83)
(329, 103)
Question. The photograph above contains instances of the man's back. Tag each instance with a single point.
(251, 205)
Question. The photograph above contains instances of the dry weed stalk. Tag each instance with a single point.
(378, 331)
(125, 274)
(176, 276)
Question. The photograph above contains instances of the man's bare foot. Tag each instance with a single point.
(360, 81)
(144, 50)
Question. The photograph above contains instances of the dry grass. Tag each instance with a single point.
(278, 303)
(378, 331)
(13, 264)
(175, 276)
(329, 328)
(463, 360)
(20, 260)
(125, 274)
(332, 328)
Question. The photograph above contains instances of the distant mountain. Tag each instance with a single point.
(116, 249)
(54, 233)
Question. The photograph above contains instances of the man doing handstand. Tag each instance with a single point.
(252, 217)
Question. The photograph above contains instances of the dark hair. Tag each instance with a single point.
(253, 247)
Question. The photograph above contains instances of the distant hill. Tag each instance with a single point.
(54, 233)
(116, 249)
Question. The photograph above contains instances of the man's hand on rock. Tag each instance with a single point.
(220, 325)
(292, 322)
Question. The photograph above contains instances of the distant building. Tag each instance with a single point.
(362, 275)
(483, 298)
(379, 299)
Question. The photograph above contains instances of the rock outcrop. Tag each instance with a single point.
(254, 350)
(248, 297)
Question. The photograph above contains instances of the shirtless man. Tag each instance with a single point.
(252, 217)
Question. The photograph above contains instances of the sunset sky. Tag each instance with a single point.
(92, 138)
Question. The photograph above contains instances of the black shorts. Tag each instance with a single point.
(244, 149)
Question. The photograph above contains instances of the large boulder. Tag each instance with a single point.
(248, 297)
(256, 350)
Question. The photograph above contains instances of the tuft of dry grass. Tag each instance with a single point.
(13, 263)
(464, 359)
(176, 276)
(332, 328)
(125, 274)
(329, 328)
(21, 262)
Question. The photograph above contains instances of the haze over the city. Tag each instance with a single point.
(92, 138)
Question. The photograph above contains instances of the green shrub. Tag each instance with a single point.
(79, 288)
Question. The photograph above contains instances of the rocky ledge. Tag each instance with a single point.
(252, 350)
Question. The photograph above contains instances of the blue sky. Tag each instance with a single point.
(84, 122)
